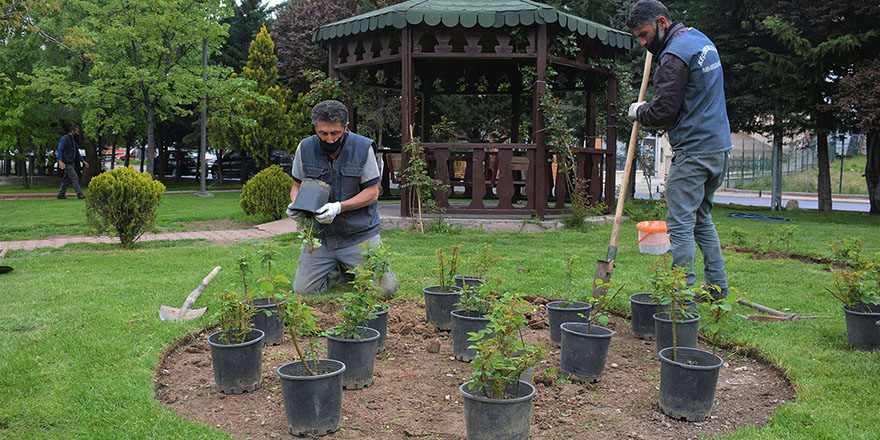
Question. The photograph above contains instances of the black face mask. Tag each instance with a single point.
(657, 43)
(331, 147)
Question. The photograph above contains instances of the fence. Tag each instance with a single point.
(752, 160)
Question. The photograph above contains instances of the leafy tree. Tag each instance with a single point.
(293, 35)
(859, 99)
(274, 128)
(143, 51)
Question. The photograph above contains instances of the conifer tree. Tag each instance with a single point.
(274, 128)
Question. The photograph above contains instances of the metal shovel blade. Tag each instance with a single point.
(173, 313)
(603, 272)
(4, 269)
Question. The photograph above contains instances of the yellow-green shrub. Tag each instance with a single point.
(122, 202)
(267, 194)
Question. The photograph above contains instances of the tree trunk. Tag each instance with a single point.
(872, 171)
(824, 183)
(92, 159)
(151, 137)
(776, 163)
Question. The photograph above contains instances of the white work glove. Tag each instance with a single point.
(294, 214)
(634, 110)
(328, 212)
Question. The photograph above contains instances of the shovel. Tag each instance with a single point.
(4, 269)
(606, 266)
(185, 311)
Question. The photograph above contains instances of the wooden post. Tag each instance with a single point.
(406, 108)
(540, 163)
(611, 143)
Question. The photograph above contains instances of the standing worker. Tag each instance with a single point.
(68, 156)
(345, 161)
(689, 102)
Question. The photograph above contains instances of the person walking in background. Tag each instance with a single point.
(68, 156)
(689, 102)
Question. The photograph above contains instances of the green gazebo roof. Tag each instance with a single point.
(483, 13)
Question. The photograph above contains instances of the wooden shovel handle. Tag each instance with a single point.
(194, 295)
(630, 153)
(3, 254)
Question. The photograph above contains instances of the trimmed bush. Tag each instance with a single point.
(267, 194)
(122, 202)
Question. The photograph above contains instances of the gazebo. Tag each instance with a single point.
(481, 48)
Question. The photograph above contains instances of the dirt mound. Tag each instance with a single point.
(415, 389)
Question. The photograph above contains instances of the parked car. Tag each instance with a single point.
(179, 163)
(231, 164)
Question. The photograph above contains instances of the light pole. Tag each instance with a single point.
(203, 141)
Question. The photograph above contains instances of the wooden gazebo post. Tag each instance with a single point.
(540, 137)
(407, 116)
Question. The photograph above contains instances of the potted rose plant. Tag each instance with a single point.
(477, 267)
(570, 310)
(497, 403)
(585, 344)
(237, 349)
(266, 318)
(678, 324)
(352, 341)
(440, 299)
(470, 317)
(858, 289)
(311, 387)
(688, 375)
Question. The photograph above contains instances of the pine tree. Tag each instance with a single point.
(274, 128)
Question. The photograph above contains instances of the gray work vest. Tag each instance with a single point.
(344, 177)
(702, 125)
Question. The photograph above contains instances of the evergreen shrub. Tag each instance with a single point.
(267, 194)
(122, 202)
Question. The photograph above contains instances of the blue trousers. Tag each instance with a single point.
(690, 192)
(318, 271)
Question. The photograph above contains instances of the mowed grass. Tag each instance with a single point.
(81, 336)
(852, 182)
(28, 219)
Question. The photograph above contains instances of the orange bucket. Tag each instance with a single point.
(653, 238)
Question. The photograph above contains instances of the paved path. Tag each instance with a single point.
(261, 231)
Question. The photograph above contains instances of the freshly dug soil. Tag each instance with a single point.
(415, 389)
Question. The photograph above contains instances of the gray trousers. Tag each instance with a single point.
(690, 192)
(319, 271)
(70, 178)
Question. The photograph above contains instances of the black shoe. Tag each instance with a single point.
(80, 196)
(62, 197)
(712, 291)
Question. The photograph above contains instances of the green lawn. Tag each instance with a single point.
(27, 219)
(853, 179)
(81, 336)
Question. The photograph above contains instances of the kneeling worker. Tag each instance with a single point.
(345, 161)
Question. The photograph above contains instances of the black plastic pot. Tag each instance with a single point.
(583, 353)
(439, 302)
(358, 355)
(313, 194)
(237, 367)
(379, 321)
(565, 311)
(687, 386)
(468, 283)
(686, 331)
(861, 327)
(498, 419)
(463, 323)
(643, 307)
(312, 404)
(270, 324)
